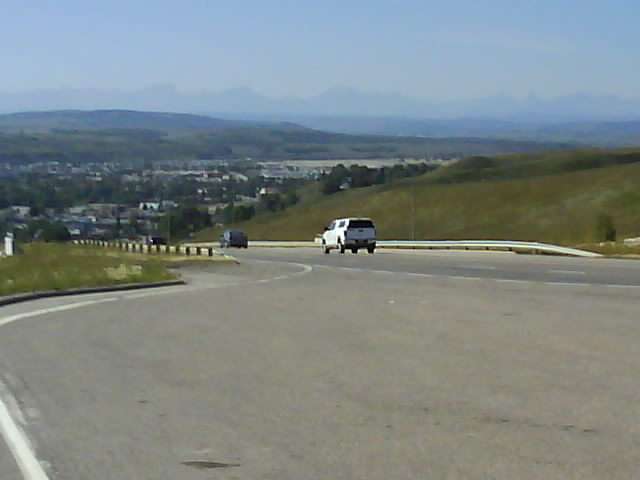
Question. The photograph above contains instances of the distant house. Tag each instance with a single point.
(79, 210)
(149, 207)
(169, 205)
(245, 200)
(105, 209)
(156, 207)
(20, 211)
(268, 191)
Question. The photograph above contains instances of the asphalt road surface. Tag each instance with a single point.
(299, 365)
(8, 467)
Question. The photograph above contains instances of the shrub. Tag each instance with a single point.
(605, 228)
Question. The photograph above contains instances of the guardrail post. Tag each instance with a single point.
(210, 252)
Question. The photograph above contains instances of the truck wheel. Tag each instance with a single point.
(325, 249)
(371, 249)
(354, 250)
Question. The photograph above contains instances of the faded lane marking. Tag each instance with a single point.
(568, 272)
(488, 279)
(305, 269)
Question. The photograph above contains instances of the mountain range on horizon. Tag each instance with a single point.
(341, 101)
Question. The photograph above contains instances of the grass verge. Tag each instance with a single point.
(613, 249)
(47, 266)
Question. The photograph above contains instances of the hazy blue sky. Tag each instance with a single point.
(440, 50)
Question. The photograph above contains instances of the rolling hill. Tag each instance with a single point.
(122, 135)
(116, 119)
(558, 198)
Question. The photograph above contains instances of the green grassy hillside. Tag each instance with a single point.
(561, 208)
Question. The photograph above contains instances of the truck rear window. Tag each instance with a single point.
(361, 224)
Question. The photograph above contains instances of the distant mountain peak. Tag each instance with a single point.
(338, 100)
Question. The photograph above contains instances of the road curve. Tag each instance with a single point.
(456, 264)
(297, 365)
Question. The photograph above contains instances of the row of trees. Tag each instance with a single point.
(181, 222)
(39, 230)
(58, 193)
(272, 203)
(358, 176)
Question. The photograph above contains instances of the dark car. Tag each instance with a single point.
(234, 238)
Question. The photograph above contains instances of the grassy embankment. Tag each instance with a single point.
(47, 266)
(555, 197)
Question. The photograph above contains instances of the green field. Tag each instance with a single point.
(558, 197)
(48, 266)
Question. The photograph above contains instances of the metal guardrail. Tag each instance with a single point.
(499, 245)
(199, 250)
(504, 245)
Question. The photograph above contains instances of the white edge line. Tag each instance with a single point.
(20, 447)
(15, 438)
(44, 311)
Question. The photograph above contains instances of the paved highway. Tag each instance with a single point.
(472, 265)
(298, 365)
(8, 467)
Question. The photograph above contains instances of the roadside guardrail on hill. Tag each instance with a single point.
(499, 245)
(504, 245)
(134, 247)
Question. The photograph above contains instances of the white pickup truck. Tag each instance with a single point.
(349, 233)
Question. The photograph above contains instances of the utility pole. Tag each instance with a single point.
(413, 211)
(233, 201)
(169, 228)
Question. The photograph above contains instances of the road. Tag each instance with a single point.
(473, 265)
(298, 365)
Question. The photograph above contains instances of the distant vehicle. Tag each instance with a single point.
(156, 240)
(234, 238)
(349, 233)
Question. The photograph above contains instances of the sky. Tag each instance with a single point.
(436, 50)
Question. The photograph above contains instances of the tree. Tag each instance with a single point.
(332, 182)
(134, 225)
(291, 198)
(273, 202)
(605, 228)
(46, 231)
(185, 220)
